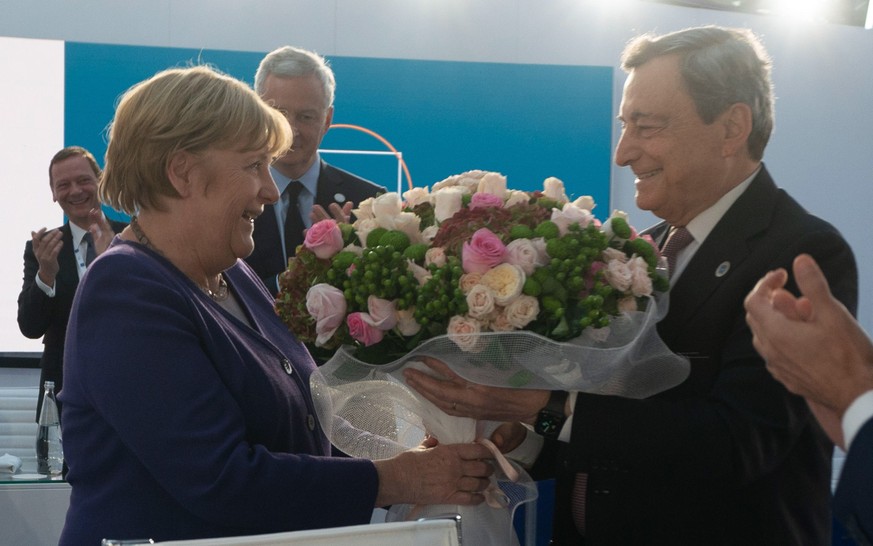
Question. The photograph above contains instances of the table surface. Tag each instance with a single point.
(27, 474)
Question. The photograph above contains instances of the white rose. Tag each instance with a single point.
(516, 197)
(448, 182)
(364, 210)
(585, 202)
(406, 323)
(435, 255)
(409, 223)
(641, 283)
(493, 183)
(539, 243)
(447, 202)
(416, 196)
(523, 253)
(571, 214)
(386, 207)
(553, 188)
(355, 249)
(383, 312)
(521, 311)
(618, 275)
(611, 254)
(363, 227)
(429, 233)
(421, 274)
(480, 301)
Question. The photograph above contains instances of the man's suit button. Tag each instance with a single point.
(287, 365)
(310, 420)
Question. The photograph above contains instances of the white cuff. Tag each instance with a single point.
(49, 290)
(564, 436)
(858, 413)
(528, 450)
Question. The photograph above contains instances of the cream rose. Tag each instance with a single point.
(416, 196)
(522, 310)
(570, 214)
(464, 332)
(435, 255)
(447, 202)
(480, 302)
(586, 202)
(364, 210)
(516, 197)
(406, 323)
(468, 281)
(553, 188)
(494, 184)
(618, 275)
(506, 280)
(363, 227)
(641, 283)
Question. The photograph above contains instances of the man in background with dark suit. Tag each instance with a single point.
(729, 456)
(817, 349)
(301, 85)
(55, 260)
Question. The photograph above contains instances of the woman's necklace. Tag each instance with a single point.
(217, 296)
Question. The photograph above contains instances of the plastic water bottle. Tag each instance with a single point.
(49, 448)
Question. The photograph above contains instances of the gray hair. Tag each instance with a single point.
(719, 67)
(292, 62)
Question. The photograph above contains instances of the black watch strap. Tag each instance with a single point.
(551, 418)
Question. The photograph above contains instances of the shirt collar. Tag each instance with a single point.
(77, 233)
(309, 178)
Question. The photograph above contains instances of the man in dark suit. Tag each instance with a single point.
(301, 85)
(729, 456)
(55, 260)
(817, 349)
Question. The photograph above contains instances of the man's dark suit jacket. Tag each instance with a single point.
(42, 316)
(729, 456)
(853, 500)
(267, 259)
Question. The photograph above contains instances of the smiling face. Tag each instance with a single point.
(302, 101)
(74, 188)
(678, 160)
(231, 190)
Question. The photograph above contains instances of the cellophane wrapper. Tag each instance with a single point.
(368, 410)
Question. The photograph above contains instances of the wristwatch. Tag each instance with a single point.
(551, 418)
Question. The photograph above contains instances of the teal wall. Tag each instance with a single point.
(526, 121)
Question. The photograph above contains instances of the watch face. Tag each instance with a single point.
(549, 424)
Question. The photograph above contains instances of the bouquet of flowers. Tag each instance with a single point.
(510, 288)
(470, 256)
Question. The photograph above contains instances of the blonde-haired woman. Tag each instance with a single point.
(187, 411)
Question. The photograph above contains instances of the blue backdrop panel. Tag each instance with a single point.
(526, 121)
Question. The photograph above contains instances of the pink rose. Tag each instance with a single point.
(484, 251)
(324, 239)
(362, 328)
(485, 200)
(327, 305)
(383, 312)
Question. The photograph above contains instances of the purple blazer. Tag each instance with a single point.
(182, 422)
